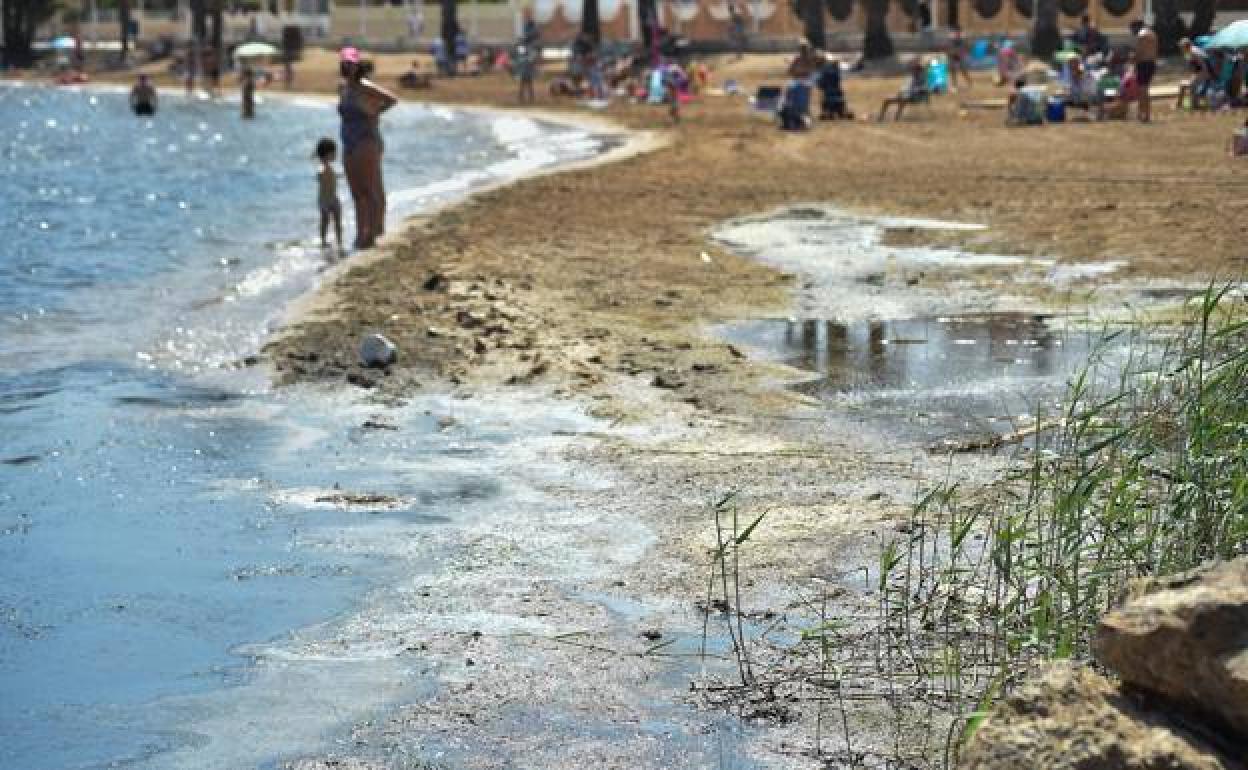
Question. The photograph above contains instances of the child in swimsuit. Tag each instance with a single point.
(327, 192)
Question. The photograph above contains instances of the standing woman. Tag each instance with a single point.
(360, 105)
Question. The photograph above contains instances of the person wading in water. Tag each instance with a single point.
(360, 105)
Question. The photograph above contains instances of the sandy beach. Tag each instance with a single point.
(602, 284)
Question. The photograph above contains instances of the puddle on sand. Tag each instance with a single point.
(927, 379)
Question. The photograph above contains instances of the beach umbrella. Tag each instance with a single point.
(1233, 35)
(63, 43)
(255, 50)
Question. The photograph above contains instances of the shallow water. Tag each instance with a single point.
(176, 578)
(963, 358)
(928, 378)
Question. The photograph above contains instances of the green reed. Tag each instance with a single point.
(1143, 473)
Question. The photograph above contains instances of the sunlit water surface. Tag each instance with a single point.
(165, 563)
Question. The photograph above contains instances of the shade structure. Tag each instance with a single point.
(1233, 35)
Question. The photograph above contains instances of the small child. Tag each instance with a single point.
(327, 192)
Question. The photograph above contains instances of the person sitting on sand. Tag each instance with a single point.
(1202, 75)
(806, 61)
(1023, 107)
(1010, 65)
(414, 78)
(143, 98)
(832, 106)
(1084, 89)
(1119, 95)
(914, 92)
(794, 112)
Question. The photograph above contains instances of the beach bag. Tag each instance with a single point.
(937, 76)
(1055, 111)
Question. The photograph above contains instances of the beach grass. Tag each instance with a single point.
(1142, 474)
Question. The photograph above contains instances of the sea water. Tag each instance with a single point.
(176, 573)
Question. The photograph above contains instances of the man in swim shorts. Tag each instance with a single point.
(1145, 65)
(143, 97)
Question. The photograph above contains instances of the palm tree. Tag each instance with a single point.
(123, 19)
(877, 44)
(591, 24)
(19, 19)
(450, 30)
(811, 12)
(1203, 14)
(1046, 38)
(1168, 26)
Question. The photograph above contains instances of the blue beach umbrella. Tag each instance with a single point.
(1233, 35)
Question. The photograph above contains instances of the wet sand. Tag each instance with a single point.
(600, 284)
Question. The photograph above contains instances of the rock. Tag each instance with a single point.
(435, 332)
(1185, 638)
(1180, 647)
(470, 319)
(358, 499)
(361, 380)
(1071, 718)
(435, 282)
(479, 347)
(377, 352)
(652, 634)
(667, 381)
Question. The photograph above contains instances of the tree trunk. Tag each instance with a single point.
(17, 37)
(194, 58)
(1203, 13)
(812, 21)
(123, 20)
(450, 29)
(218, 34)
(877, 44)
(1168, 26)
(591, 24)
(1046, 36)
(648, 15)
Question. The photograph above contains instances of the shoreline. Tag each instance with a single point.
(598, 285)
(320, 301)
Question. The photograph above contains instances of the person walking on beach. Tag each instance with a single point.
(525, 66)
(143, 98)
(327, 192)
(957, 55)
(736, 29)
(360, 104)
(1145, 65)
(249, 93)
